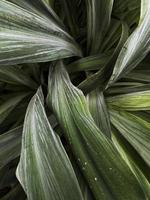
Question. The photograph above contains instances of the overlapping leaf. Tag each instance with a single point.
(107, 174)
(10, 104)
(133, 161)
(14, 75)
(136, 47)
(98, 20)
(10, 145)
(99, 111)
(27, 37)
(135, 130)
(44, 169)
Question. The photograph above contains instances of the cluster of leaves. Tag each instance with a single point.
(74, 99)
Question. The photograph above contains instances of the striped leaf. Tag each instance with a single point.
(14, 75)
(132, 101)
(105, 171)
(135, 130)
(10, 145)
(98, 20)
(44, 170)
(136, 47)
(27, 37)
(99, 111)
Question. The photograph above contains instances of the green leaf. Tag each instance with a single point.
(100, 78)
(15, 75)
(133, 161)
(7, 106)
(99, 111)
(135, 130)
(27, 37)
(70, 9)
(44, 170)
(106, 173)
(10, 145)
(136, 47)
(139, 75)
(132, 101)
(98, 20)
(127, 87)
(15, 193)
(89, 63)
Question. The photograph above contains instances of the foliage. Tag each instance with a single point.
(74, 99)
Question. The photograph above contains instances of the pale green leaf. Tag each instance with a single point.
(99, 111)
(131, 101)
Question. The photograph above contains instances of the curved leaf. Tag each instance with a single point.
(136, 47)
(130, 158)
(135, 130)
(14, 75)
(107, 174)
(44, 170)
(27, 37)
(98, 20)
(99, 111)
(132, 101)
(10, 145)
(7, 106)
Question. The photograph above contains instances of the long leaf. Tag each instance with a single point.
(136, 47)
(132, 101)
(99, 111)
(14, 75)
(135, 130)
(100, 78)
(10, 145)
(107, 174)
(130, 157)
(27, 37)
(7, 107)
(44, 169)
(98, 20)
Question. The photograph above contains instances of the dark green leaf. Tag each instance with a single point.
(44, 170)
(135, 130)
(10, 145)
(27, 37)
(107, 174)
(136, 47)
(98, 20)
